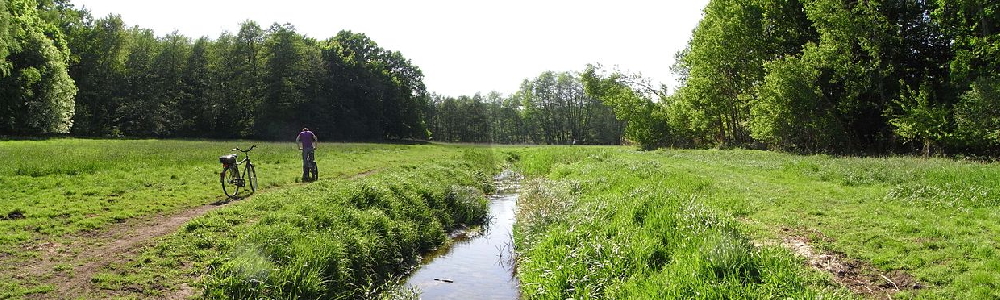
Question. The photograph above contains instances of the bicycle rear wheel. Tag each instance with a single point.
(229, 178)
(251, 177)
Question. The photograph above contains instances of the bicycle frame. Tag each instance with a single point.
(238, 181)
(231, 165)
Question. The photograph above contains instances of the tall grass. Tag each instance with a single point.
(334, 239)
(615, 225)
(619, 224)
(343, 235)
(62, 186)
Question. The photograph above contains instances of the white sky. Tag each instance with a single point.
(462, 46)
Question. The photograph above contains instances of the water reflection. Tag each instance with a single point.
(478, 266)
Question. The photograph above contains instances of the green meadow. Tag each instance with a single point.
(375, 208)
(620, 224)
(592, 222)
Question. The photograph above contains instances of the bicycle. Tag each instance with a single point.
(230, 177)
(310, 171)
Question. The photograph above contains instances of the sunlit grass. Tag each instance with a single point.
(708, 224)
(349, 237)
(61, 186)
(375, 208)
(593, 222)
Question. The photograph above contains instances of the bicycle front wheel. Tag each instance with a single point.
(251, 177)
(230, 178)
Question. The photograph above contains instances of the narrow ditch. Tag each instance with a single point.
(479, 264)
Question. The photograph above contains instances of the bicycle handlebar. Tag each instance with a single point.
(245, 151)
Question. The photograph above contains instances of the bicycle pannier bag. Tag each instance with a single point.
(228, 159)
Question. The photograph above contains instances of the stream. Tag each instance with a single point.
(479, 264)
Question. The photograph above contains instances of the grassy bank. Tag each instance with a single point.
(593, 222)
(330, 240)
(63, 186)
(613, 223)
(375, 208)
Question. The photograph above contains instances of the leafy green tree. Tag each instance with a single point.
(101, 47)
(556, 109)
(725, 58)
(170, 91)
(858, 58)
(6, 40)
(286, 69)
(360, 91)
(552, 108)
(974, 30)
(140, 112)
(36, 92)
(920, 118)
(865, 49)
(646, 122)
(791, 112)
(977, 116)
(237, 92)
(506, 123)
(541, 108)
(406, 95)
(380, 94)
(195, 107)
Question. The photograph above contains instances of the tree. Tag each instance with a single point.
(195, 107)
(405, 97)
(284, 84)
(380, 93)
(973, 27)
(920, 118)
(645, 121)
(140, 114)
(552, 108)
(36, 92)
(977, 116)
(556, 109)
(237, 91)
(101, 48)
(169, 88)
(725, 58)
(6, 40)
(791, 112)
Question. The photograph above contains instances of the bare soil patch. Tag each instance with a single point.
(364, 174)
(859, 276)
(70, 264)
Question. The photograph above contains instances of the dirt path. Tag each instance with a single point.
(859, 276)
(87, 253)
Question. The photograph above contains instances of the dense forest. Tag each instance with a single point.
(550, 109)
(65, 71)
(811, 76)
(827, 76)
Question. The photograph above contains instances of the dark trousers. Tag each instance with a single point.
(308, 161)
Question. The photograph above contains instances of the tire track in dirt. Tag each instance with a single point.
(88, 253)
(859, 276)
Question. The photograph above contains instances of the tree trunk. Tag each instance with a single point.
(927, 147)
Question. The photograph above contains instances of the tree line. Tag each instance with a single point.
(830, 76)
(65, 71)
(552, 108)
(814, 76)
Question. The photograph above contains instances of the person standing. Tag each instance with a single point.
(307, 142)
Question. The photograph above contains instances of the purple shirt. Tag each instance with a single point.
(307, 138)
